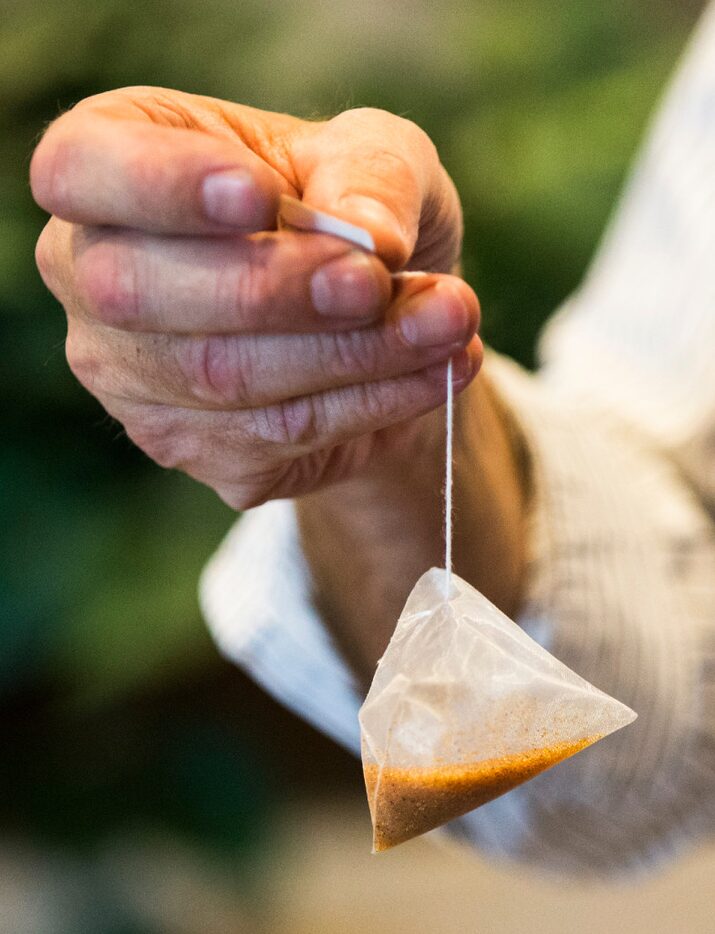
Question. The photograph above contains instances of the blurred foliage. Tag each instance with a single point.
(536, 107)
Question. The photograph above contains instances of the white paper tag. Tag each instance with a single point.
(295, 214)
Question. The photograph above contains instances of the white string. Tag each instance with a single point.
(448, 486)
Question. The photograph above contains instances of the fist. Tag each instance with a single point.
(263, 363)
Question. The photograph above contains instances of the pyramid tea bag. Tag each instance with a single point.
(464, 706)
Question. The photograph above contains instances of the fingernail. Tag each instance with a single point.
(435, 317)
(346, 287)
(234, 199)
(394, 242)
(463, 367)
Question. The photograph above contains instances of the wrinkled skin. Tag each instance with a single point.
(264, 364)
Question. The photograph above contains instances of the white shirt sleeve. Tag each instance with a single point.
(255, 595)
(621, 579)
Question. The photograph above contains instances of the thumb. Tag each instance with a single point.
(372, 169)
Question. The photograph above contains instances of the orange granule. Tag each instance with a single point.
(407, 802)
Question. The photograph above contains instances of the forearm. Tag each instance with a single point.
(368, 540)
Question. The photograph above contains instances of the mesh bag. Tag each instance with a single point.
(464, 706)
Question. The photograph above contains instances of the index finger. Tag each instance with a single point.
(108, 162)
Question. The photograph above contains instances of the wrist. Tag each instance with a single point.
(368, 539)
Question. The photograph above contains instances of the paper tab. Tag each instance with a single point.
(295, 214)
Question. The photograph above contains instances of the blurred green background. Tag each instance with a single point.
(116, 714)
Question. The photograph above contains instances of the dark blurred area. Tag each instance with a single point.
(123, 734)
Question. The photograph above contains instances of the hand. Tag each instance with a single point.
(265, 364)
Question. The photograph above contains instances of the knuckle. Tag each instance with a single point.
(218, 369)
(388, 123)
(245, 289)
(351, 354)
(84, 364)
(44, 252)
(46, 257)
(293, 423)
(163, 435)
(107, 286)
(417, 139)
(380, 403)
(53, 167)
